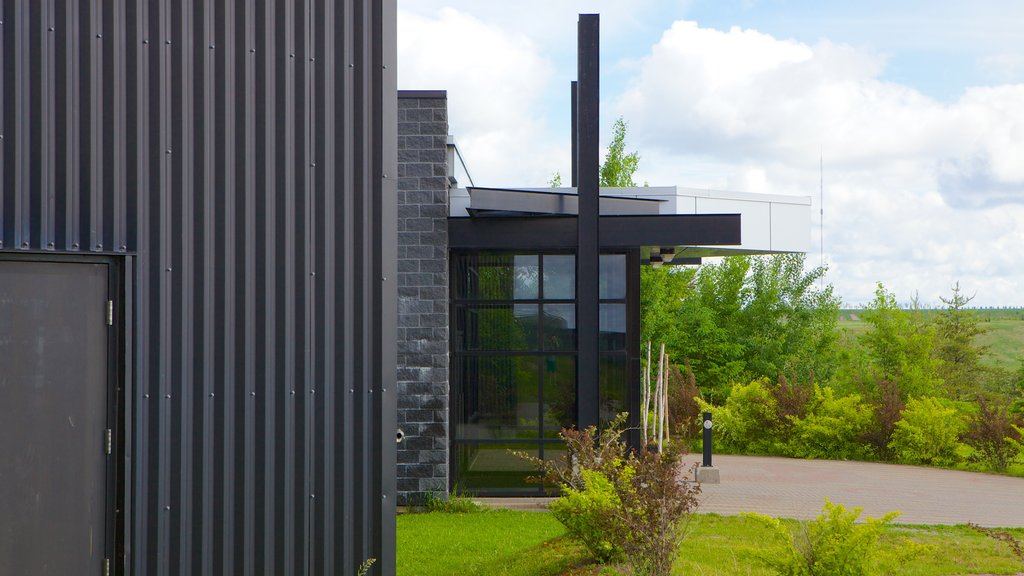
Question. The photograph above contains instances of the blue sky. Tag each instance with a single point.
(917, 108)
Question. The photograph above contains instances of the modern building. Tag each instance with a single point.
(197, 287)
(488, 302)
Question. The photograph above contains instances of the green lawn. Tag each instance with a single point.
(511, 543)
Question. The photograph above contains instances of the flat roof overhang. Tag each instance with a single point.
(615, 232)
(655, 219)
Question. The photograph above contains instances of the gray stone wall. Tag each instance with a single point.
(422, 295)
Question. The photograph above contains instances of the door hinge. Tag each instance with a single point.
(106, 567)
(110, 442)
(110, 312)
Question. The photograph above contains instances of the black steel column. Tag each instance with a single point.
(574, 112)
(707, 439)
(588, 241)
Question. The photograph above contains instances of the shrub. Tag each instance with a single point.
(617, 502)
(832, 545)
(654, 504)
(887, 405)
(832, 428)
(928, 433)
(993, 435)
(749, 420)
(453, 503)
(683, 410)
(587, 515)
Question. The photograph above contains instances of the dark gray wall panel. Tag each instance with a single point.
(244, 152)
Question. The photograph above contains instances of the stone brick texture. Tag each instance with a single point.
(423, 457)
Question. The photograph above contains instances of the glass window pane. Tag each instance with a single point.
(498, 397)
(496, 327)
(483, 276)
(612, 278)
(559, 326)
(559, 277)
(492, 467)
(613, 327)
(525, 277)
(559, 394)
(612, 390)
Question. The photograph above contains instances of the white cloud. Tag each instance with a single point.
(919, 194)
(494, 79)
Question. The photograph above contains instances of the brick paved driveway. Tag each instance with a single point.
(797, 489)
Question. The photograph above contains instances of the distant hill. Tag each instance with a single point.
(1005, 336)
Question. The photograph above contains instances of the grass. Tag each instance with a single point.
(513, 543)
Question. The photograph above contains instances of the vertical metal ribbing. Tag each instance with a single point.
(47, 185)
(234, 50)
(164, 285)
(325, 153)
(344, 263)
(288, 216)
(143, 505)
(96, 152)
(249, 275)
(384, 275)
(116, 237)
(22, 141)
(272, 392)
(209, 146)
(4, 86)
(72, 34)
(182, 50)
(309, 281)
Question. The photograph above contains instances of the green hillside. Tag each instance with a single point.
(1004, 339)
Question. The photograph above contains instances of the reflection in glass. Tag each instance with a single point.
(560, 327)
(613, 395)
(559, 373)
(498, 397)
(497, 326)
(559, 277)
(613, 327)
(496, 276)
(491, 467)
(612, 278)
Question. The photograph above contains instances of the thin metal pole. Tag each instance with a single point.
(575, 122)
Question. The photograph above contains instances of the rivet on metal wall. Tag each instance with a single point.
(145, 41)
(167, 507)
(168, 269)
(293, 392)
(74, 246)
(312, 58)
(24, 244)
(252, 50)
(312, 391)
(168, 396)
(123, 247)
(211, 46)
(167, 152)
(291, 55)
(51, 28)
(50, 244)
(145, 395)
(351, 65)
(99, 246)
(252, 393)
(99, 35)
(167, 41)
(211, 394)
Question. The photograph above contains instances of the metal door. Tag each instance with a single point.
(54, 398)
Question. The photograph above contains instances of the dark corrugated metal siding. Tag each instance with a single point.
(242, 155)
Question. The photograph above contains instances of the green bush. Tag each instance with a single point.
(833, 427)
(749, 420)
(586, 515)
(928, 433)
(996, 440)
(832, 545)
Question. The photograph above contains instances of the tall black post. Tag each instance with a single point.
(707, 439)
(588, 246)
(574, 175)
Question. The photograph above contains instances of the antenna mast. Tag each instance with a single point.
(821, 209)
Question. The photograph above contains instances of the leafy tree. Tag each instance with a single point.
(619, 167)
(832, 428)
(743, 318)
(957, 329)
(900, 346)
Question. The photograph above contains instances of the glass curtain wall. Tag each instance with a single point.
(514, 361)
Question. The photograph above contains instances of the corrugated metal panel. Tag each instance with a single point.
(243, 155)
